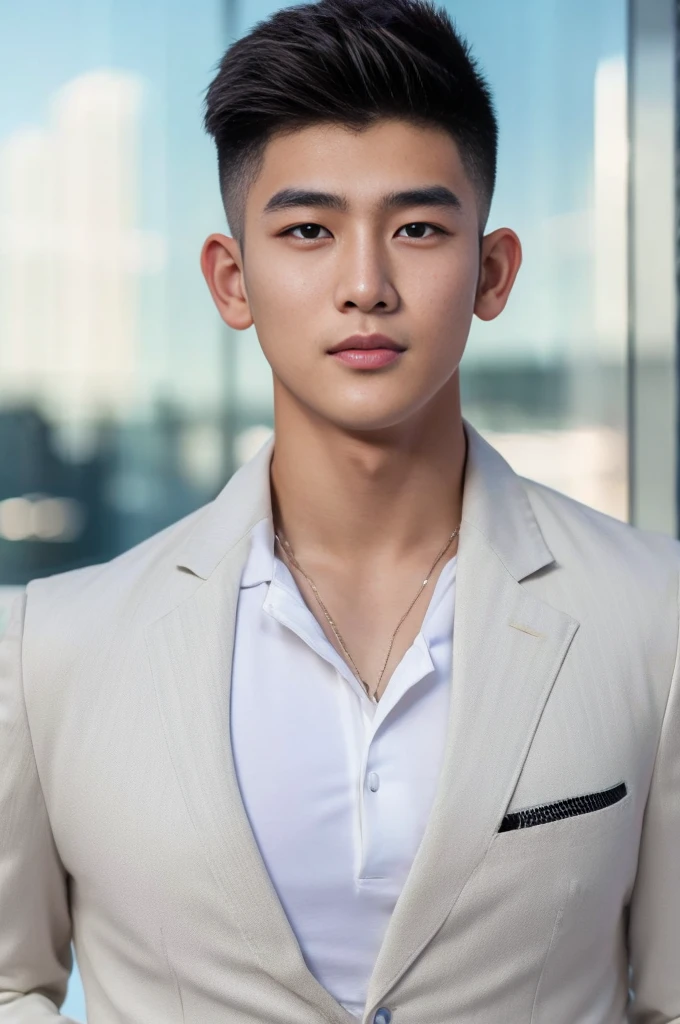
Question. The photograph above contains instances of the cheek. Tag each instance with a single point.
(284, 282)
(268, 296)
(443, 288)
(285, 308)
(444, 309)
(441, 315)
(282, 312)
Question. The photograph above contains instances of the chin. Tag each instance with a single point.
(358, 420)
(356, 409)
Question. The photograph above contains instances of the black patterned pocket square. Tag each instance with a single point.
(563, 809)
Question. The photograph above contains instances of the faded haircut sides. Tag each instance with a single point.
(351, 63)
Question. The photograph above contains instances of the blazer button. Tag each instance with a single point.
(382, 1016)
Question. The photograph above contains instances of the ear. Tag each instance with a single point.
(222, 268)
(500, 261)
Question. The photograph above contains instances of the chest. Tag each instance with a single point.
(147, 816)
(373, 621)
(336, 789)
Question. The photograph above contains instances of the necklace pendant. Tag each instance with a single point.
(283, 541)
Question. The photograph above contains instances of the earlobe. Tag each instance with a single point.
(501, 259)
(221, 265)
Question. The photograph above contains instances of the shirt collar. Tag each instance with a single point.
(261, 564)
(259, 567)
(496, 506)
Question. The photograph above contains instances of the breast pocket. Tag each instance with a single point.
(587, 840)
(585, 836)
(544, 814)
(568, 867)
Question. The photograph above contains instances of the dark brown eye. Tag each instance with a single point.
(308, 231)
(418, 228)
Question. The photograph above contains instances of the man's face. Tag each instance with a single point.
(315, 274)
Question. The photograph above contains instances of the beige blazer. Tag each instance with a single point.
(122, 826)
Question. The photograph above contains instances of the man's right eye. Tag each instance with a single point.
(305, 228)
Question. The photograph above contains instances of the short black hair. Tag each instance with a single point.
(348, 62)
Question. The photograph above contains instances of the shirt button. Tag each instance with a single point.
(374, 786)
(382, 1016)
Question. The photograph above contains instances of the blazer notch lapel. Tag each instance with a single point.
(191, 652)
(508, 648)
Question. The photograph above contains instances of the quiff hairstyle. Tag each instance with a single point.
(351, 63)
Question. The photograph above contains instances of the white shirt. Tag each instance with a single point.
(337, 788)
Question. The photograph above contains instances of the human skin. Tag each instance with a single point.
(367, 471)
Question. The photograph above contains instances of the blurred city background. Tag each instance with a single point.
(125, 402)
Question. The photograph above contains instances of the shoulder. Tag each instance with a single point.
(581, 536)
(98, 591)
(619, 582)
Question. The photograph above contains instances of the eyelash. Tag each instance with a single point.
(309, 224)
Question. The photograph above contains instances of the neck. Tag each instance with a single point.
(344, 499)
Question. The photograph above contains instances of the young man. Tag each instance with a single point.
(259, 768)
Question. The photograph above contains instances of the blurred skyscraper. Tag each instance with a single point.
(73, 252)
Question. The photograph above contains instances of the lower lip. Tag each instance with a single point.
(367, 358)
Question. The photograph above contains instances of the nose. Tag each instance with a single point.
(365, 279)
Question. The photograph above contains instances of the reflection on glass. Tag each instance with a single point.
(112, 389)
(546, 382)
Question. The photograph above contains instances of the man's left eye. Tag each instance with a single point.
(419, 226)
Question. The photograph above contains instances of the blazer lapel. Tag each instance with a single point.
(508, 648)
(191, 651)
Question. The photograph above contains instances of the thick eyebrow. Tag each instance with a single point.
(430, 195)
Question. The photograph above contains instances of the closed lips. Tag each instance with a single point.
(366, 341)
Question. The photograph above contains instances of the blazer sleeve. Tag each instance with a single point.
(35, 926)
(654, 921)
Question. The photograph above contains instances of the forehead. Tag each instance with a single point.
(360, 164)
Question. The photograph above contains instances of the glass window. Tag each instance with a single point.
(113, 360)
(546, 381)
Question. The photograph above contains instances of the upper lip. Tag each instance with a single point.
(367, 341)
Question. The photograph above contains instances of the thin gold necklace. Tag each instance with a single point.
(288, 551)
